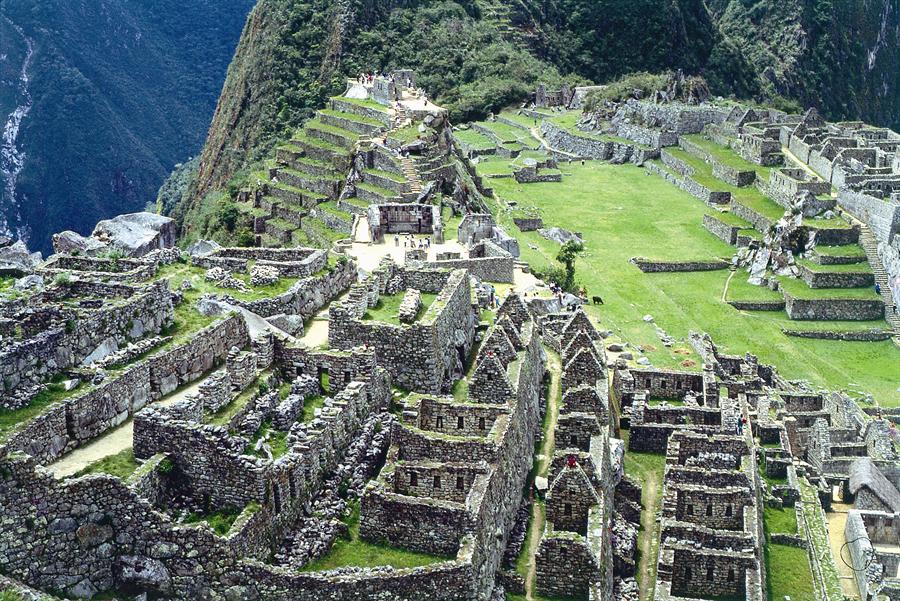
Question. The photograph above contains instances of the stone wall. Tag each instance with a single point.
(654, 266)
(487, 262)
(836, 279)
(881, 215)
(67, 345)
(725, 232)
(71, 423)
(686, 182)
(422, 356)
(593, 148)
(834, 309)
(306, 297)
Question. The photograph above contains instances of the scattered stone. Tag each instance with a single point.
(17, 260)
(560, 236)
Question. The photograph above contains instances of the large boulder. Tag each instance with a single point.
(201, 248)
(142, 574)
(137, 234)
(560, 236)
(16, 260)
(69, 243)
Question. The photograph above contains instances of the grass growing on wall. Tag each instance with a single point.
(353, 551)
(788, 573)
(121, 465)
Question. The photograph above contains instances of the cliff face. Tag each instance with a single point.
(108, 95)
(477, 55)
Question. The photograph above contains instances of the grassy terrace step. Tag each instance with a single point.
(248, 209)
(847, 268)
(322, 231)
(729, 157)
(731, 219)
(362, 120)
(511, 134)
(847, 250)
(397, 177)
(739, 289)
(362, 102)
(331, 207)
(799, 289)
(569, 122)
(374, 190)
(330, 132)
(305, 140)
(522, 120)
(330, 177)
(474, 139)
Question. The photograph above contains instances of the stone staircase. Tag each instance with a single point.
(408, 166)
(870, 245)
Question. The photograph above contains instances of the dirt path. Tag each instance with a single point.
(837, 520)
(727, 282)
(112, 442)
(647, 538)
(545, 457)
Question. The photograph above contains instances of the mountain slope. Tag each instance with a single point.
(120, 91)
(475, 56)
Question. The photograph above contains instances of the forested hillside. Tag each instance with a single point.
(117, 93)
(478, 55)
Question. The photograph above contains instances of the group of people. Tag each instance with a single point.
(410, 242)
(369, 78)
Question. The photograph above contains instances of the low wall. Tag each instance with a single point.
(874, 335)
(651, 266)
(591, 148)
(723, 231)
(307, 296)
(69, 424)
(836, 279)
(833, 309)
(687, 183)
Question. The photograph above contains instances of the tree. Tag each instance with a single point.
(567, 255)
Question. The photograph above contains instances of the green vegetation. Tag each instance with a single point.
(781, 520)
(388, 308)
(121, 465)
(799, 289)
(310, 405)
(740, 289)
(9, 595)
(848, 250)
(788, 573)
(179, 272)
(609, 205)
(729, 157)
(474, 139)
(52, 394)
(353, 551)
(276, 439)
(220, 520)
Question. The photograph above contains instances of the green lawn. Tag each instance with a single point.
(788, 573)
(781, 520)
(740, 289)
(729, 157)
(862, 267)
(353, 551)
(220, 520)
(474, 139)
(388, 307)
(622, 212)
(799, 289)
(847, 250)
(179, 272)
(121, 465)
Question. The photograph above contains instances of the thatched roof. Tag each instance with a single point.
(864, 473)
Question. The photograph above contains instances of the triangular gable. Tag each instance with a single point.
(584, 368)
(489, 382)
(498, 342)
(512, 332)
(580, 323)
(580, 341)
(515, 309)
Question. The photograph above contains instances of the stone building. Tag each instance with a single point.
(426, 355)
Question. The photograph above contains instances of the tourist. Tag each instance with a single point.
(396, 240)
(878, 289)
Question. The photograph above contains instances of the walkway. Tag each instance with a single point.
(112, 442)
(544, 458)
(368, 254)
(837, 520)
